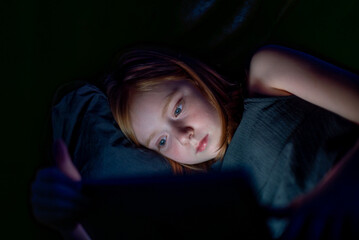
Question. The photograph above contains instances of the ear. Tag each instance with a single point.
(63, 160)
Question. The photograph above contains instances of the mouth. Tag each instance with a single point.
(202, 144)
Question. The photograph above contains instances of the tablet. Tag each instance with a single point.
(213, 205)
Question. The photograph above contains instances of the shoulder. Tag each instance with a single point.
(267, 68)
(281, 71)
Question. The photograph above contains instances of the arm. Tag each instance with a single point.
(331, 209)
(280, 71)
(333, 205)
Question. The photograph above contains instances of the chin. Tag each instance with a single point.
(202, 161)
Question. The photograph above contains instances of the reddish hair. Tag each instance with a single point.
(141, 70)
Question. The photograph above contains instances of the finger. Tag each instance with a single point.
(53, 191)
(54, 175)
(57, 212)
(64, 162)
(55, 217)
(46, 204)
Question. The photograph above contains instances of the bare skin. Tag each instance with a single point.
(176, 120)
(65, 164)
(278, 71)
(56, 197)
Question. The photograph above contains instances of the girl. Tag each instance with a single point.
(148, 93)
(150, 88)
(185, 111)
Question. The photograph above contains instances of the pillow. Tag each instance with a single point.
(83, 119)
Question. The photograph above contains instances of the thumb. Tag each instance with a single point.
(63, 160)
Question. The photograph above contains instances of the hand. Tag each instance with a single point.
(56, 193)
(330, 213)
(331, 210)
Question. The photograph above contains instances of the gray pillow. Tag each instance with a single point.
(83, 119)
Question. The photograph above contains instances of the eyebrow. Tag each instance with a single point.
(168, 100)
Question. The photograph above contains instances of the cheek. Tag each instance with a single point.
(199, 108)
(206, 114)
(213, 115)
(205, 107)
(177, 154)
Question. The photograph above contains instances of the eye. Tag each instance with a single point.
(178, 110)
(162, 142)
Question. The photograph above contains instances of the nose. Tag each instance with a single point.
(184, 135)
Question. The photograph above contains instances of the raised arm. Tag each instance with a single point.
(332, 206)
(280, 71)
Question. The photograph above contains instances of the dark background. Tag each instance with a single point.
(45, 44)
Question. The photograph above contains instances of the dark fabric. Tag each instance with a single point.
(287, 145)
(83, 119)
(204, 206)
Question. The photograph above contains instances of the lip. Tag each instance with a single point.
(202, 144)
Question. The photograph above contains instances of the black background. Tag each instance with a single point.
(45, 44)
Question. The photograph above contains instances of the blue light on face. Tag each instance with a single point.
(178, 110)
(162, 142)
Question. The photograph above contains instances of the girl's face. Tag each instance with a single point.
(176, 120)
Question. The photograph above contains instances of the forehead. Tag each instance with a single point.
(154, 94)
(146, 107)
